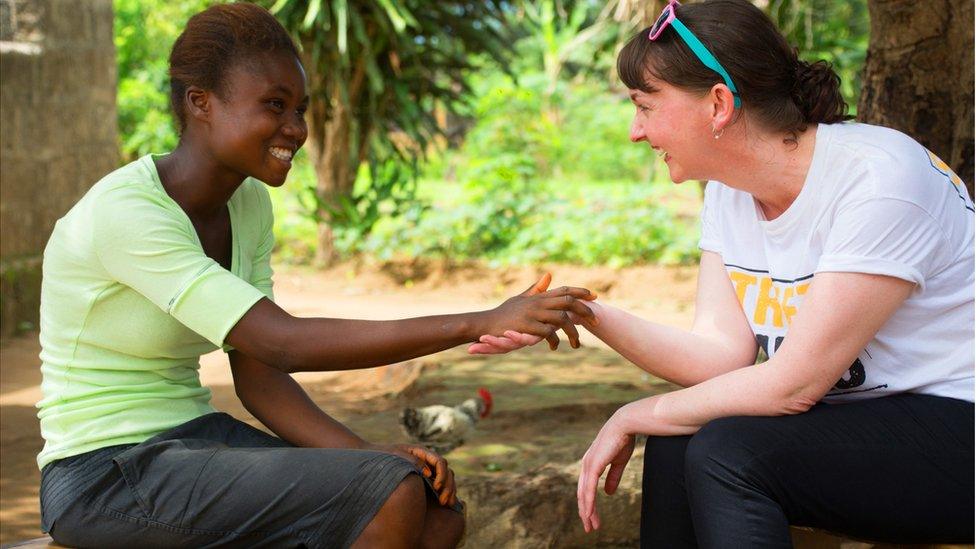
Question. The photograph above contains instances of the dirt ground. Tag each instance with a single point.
(548, 405)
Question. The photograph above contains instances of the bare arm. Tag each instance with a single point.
(719, 341)
(270, 335)
(279, 402)
(840, 314)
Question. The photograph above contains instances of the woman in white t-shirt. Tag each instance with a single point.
(842, 251)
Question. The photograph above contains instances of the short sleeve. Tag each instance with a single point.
(142, 242)
(884, 236)
(710, 237)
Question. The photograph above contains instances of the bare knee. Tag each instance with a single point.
(400, 521)
(444, 527)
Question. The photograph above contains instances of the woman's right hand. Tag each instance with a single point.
(539, 313)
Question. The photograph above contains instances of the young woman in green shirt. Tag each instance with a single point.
(168, 258)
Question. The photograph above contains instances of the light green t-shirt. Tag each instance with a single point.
(129, 302)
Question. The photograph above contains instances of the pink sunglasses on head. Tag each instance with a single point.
(668, 18)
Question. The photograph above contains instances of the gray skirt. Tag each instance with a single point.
(216, 482)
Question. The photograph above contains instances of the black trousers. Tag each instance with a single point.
(896, 469)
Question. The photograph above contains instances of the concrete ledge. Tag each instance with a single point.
(37, 543)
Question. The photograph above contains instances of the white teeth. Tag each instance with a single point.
(281, 153)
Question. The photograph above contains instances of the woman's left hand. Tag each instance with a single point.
(431, 465)
(612, 446)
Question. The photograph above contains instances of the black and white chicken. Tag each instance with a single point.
(443, 428)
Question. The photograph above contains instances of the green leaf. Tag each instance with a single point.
(312, 14)
(342, 15)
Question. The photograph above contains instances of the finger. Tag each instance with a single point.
(538, 328)
(579, 499)
(584, 314)
(426, 458)
(561, 319)
(581, 507)
(435, 466)
(447, 494)
(613, 478)
(488, 349)
(579, 293)
(418, 458)
(483, 349)
(573, 305)
(565, 302)
(442, 471)
(573, 334)
(500, 342)
(540, 286)
(553, 340)
(524, 339)
(450, 489)
(589, 496)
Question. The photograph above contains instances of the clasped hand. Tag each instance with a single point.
(534, 315)
(431, 465)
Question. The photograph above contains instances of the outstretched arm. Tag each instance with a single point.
(269, 334)
(719, 341)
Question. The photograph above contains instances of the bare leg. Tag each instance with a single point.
(401, 521)
(443, 527)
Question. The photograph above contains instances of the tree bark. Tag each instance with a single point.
(918, 76)
(330, 141)
(330, 146)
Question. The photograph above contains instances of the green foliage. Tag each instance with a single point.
(144, 33)
(542, 170)
(383, 189)
(378, 71)
(836, 32)
(583, 135)
(506, 214)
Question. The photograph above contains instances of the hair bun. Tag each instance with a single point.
(816, 91)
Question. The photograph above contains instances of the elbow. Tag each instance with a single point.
(279, 351)
(793, 392)
(799, 398)
(286, 358)
(796, 404)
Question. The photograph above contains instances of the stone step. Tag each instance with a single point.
(37, 543)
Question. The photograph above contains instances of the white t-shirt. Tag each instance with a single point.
(874, 201)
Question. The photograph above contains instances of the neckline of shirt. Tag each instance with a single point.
(814, 177)
(150, 164)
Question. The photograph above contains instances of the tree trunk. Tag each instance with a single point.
(918, 76)
(328, 142)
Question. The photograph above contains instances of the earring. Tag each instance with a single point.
(717, 134)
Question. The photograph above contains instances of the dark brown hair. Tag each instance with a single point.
(215, 40)
(780, 91)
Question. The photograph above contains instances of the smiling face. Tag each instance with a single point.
(258, 125)
(677, 125)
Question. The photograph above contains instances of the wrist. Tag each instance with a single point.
(476, 325)
(627, 418)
